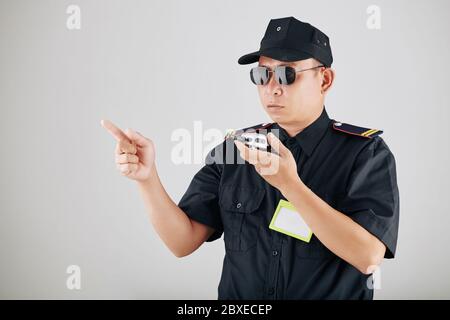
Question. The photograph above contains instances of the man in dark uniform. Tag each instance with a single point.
(339, 178)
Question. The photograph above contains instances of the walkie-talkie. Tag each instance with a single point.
(254, 138)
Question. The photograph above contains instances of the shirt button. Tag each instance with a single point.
(238, 205)
(274, 252)
(271, 291)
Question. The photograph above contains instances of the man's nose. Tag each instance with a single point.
(273, 88)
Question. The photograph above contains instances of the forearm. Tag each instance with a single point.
(335, 230)
(170, 222)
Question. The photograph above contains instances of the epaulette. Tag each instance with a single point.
(355, 130)
(232, 133)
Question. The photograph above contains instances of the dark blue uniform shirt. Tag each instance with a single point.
(353, 174)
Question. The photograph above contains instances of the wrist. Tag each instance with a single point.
(293, 186)
(151, 179)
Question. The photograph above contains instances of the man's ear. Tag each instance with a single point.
(328, 79)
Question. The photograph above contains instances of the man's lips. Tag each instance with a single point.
(274, 106)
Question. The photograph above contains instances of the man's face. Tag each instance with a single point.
(299, 100)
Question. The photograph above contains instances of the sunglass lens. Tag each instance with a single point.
(259, 75)
(285, 74)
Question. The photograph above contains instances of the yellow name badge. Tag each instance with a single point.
(287, 220)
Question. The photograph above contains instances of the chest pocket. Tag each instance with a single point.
(240, 215)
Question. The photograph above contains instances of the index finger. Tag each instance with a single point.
(115, 131)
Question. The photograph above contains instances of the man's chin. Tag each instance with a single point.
(277, 117)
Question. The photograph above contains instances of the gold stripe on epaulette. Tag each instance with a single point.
(369, 132)
(372, 133)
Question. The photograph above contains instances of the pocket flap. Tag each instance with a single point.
(240, 199)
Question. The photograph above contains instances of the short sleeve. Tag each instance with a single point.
(372, 198)
(201, 200)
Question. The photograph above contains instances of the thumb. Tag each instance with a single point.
(137, 137)
(276, 144)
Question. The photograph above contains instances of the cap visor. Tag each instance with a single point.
(287, 55)
(249, 58)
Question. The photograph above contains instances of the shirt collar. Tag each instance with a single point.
(310, 136)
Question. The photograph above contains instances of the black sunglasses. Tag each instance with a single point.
(283, 74)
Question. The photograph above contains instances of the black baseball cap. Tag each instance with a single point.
(288, 39)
